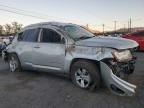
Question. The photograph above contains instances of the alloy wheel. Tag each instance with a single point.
(13, 64)
(82, 77)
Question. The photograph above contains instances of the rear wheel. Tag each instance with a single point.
(14, 63)
(85, 74)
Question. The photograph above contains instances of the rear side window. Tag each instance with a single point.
(30, 35)
(48, 35)
(138, 34)
(20, 36)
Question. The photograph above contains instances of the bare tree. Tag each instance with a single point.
(8, 29)
(16, 27)
(1, 29)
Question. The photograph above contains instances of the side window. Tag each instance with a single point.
(138, 34)
(50, 36)
(20, 36)
(30, 35)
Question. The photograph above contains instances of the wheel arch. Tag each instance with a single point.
(9, 53)
(96, 62)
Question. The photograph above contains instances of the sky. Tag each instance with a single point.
(91, 12)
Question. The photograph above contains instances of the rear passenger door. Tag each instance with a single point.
(49, 53)
(26, 40)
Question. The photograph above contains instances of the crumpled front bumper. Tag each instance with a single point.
(114, 83)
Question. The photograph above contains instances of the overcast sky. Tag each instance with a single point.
(93, 12)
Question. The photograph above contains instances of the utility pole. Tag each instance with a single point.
(87, 26)
(103, 28)
(124, 28)
(115, 22)
(130, 24)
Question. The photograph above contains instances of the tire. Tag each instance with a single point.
(14, 63)
(91, 78)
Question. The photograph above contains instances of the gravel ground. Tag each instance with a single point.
(43, 90)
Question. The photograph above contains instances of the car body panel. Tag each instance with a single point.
(111, 42)
(138, 39)
(49, 55)
(24, 50)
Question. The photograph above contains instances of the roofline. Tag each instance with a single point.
(48, 23)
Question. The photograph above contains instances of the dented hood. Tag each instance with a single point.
(111, 42)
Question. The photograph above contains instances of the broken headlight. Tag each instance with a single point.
(122, 56)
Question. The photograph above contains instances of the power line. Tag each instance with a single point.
(31, 12)
(22, 14)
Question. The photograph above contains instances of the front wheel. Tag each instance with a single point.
(85, 74)
(14, 63)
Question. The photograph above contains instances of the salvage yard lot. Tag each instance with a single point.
(42, 90)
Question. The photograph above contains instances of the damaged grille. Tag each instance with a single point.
(122, 69)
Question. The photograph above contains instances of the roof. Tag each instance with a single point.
(57, 24)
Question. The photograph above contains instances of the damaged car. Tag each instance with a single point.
(69, 49)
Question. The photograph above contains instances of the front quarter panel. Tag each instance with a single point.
(90, 53)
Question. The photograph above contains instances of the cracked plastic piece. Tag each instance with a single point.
(115, 84)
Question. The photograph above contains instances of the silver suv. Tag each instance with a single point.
(70, 49)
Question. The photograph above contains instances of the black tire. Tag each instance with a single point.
(92, 70)
(18, 64)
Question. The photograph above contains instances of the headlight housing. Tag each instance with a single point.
(122, 56)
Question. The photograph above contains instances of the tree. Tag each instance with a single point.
(16, 27)
(8, 29)
(1, 29)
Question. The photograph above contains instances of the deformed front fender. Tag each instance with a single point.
(114, 83)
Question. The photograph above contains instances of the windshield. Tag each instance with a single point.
(77, 32)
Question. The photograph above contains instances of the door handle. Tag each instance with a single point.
(36, 47)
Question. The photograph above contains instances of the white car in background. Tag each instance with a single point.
(6, 40)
